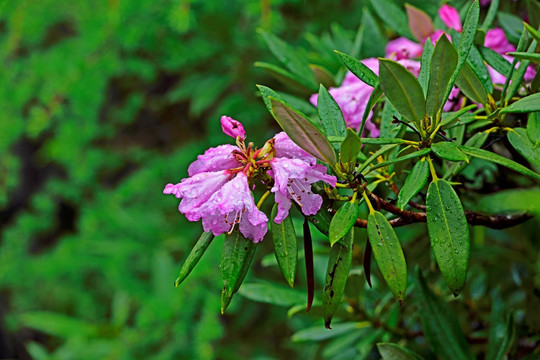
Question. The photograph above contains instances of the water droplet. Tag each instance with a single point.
(380, 244)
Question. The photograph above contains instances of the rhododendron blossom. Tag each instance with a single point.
(219, 189)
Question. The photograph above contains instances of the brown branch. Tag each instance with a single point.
(406, 217)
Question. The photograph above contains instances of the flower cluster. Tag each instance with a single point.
(353, 94)
(218, 189)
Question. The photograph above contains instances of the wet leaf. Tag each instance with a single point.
(521, 142)
(236, 258)
(337, 273)
(272, 294)
(449, 151)
(388, 253)
(194, 256)
(350, 147)
(303, 132)
(527, 104)
(425, 68)
(342, 221)
(449, 233)
(443, 64)
(285, 245)
(330, 114)
(415, 181)
(468, 82)
(360, 70)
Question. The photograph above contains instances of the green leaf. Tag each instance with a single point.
(472, 87)
(511, 24)
(374, 41)
(266, 94)
(478, 67)
(236, 258)
(415, 181)
(443, 64)
(522, 45)
(525, 55)
(298, 65)
(393, 16)
(466, 40)
(534, 33)
(194, 256)
(449, 233)
(412, 155)
(440, 325)
(391, 351)
(388, 128)
(521, 142)
(517, 76)
(58, 325)
(272, 294)
(322, 75)
(302, 132)
(448, 118)
(373, 98)
(420, 23)
(533, 128)
(490, 16)
(388, 253)
(350, 147)
(321, 220)
(337, 273)
(402, 89)
(285, 77)
(509, 201)
(285, 245)
(330, 114)
(382, 141)
(360, 70)
(342, 222)
(527, 104)
(425, 68)
(375, 155)
(318, 333)
(496, 61)
(448, 151)
(477, 140)
(501, 333)
(498, 159)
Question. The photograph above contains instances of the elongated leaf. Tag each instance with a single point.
(272, 294)
(236, 258)
(448, 151)
(389, 129)
(522, 45)
(375, 155)
(533, 128)
(337, 273)
(496, 61)
(194, 256)
(425, 68)
(490, 16)
(412, 155)
(285, 77)
(373, 98)
(285, 246)
(388, 253)
(477, 65)
(415, 181)
(288, 56)
(391, 351)
(443, 64)
(318, 333)
(527, 104)
(517, 76)
(511, 25)
(330, 114)
(308, 256)
(374, 39)
(266, 94)
(440, 325)
(303, 132)
(402, 89)
(508, 201)
(382, 141)
(393, 16)
(466, 40)
(450, 117)
(525, 55)
(521, 142)
(322, 76)
(471, 86)
(449, 233)
(534, 33)
(342, 222)
(321, 220)
(500, 332)
(360, 70)
(497, 159)
(350, 147)
(420, 23)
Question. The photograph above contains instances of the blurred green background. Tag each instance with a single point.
(103, 103)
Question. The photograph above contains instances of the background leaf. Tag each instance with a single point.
(285, 245)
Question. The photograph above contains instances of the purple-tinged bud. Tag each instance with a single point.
(232, 127)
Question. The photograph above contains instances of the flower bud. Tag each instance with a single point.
(232, 127)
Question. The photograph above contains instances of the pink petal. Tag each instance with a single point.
(215, 159)
(450, 17)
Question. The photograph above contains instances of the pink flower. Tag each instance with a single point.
(232, 127)
(450, 17)
(286, 148)
(215, 159)
(233, 205)
(403, 48)
(496, 40)
(292, 181)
